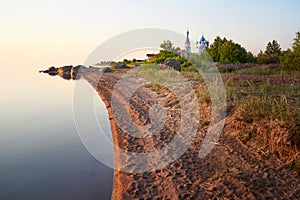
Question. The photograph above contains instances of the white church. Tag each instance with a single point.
(201, 45)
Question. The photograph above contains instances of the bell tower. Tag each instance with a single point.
(188, 44)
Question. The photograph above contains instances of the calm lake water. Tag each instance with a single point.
(41, 155)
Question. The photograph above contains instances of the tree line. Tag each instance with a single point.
(226, 51)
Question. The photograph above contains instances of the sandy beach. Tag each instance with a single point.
(230, 171)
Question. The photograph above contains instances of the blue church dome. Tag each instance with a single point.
(202, 38)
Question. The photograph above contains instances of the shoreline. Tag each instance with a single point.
(230, 171)
(117, 183)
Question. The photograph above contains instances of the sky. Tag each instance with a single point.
(37, 33)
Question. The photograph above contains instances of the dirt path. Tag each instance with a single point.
(229, 171)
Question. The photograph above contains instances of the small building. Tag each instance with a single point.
(150, 56)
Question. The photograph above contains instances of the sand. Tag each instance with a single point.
(230, 171)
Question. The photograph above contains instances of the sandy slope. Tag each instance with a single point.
(230, 171)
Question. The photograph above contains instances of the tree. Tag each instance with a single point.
(227, 51)
(273, 48)
(287, 58)
(296, 52)
(251, 58)
(215, 48)
(261, 58)
(296, 44)
(272, 53)
(125, 61)
(168, 45)
(291, 58)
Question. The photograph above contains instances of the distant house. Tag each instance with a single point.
(150, 56)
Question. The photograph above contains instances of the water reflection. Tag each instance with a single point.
(66, 72)
(69, 170)
(69, 72)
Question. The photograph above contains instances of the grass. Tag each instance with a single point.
(261, 70)
(192, 76)
(294, 165)
(262, 99)
(257, 69)
(267, 103)
(257, 97)
(268, 108)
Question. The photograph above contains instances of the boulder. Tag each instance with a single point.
(172, 64)
(52, 71)
(67, 69)
(107, 70)
(120, 65)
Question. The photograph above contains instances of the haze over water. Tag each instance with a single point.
(40, 151)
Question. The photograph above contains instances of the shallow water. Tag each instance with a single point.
(41, 155)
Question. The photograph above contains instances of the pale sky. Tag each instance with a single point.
(37, 33)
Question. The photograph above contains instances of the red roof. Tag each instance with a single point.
(151, 55)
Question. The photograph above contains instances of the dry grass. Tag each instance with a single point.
(267, 114)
